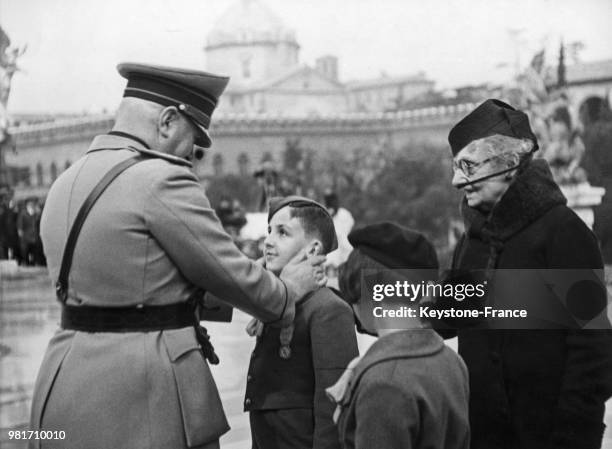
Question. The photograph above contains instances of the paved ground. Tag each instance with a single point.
(28, 317)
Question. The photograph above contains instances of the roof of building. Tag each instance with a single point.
(229, 123)
(298, 70)
(583, 72)
(247, 22)
(384, 80)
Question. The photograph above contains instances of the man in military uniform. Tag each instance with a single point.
(126, 370)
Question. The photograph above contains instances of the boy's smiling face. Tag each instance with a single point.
(286, 237)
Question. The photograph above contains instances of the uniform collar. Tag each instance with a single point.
(108, 142)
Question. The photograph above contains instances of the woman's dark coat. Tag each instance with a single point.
(534, 388)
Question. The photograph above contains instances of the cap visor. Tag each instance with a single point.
(203, 140)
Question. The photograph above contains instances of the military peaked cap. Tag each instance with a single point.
(193, 92)
(490, 118)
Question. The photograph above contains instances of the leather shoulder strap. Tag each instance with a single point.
(61, 286)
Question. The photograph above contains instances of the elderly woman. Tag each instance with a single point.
(528, 388)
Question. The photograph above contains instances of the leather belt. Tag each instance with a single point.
(138, 319)
(127, 319)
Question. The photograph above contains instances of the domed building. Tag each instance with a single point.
(251, 44)
(261, 55)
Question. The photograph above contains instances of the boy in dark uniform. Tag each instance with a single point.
(409, 390)
(285, 392)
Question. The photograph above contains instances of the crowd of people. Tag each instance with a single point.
(20, 230)
(129, 366)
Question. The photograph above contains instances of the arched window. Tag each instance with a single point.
(40, 179)
(53, 170)
(218, 164)
(243, 164)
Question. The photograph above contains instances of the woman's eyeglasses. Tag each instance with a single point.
(468, 168)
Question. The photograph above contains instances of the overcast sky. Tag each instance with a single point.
(74, 45)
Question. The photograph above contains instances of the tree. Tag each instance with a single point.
(410, 186)
(242, 188)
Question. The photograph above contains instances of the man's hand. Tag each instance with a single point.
(303, 274)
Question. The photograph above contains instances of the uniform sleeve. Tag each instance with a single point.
(385, 417)
(587, 378)
(181, 219)
(334, 345)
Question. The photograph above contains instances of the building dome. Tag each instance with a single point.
(249, 22)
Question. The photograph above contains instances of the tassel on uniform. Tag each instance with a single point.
(207, 348)
(286, 334)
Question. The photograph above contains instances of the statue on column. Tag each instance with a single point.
(549, 110)
(559, 134)
(8, 67)
(563, 145)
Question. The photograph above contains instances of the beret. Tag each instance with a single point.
(394, 246)
(490, 118)
(193, 92)
(277, 203)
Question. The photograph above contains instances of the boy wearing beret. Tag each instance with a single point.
(285, 392)
(409, 390)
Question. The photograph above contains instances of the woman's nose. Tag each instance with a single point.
(458, 178)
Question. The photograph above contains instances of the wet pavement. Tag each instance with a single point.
(29, 316)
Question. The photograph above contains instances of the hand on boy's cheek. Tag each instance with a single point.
(304, 273)
(317, 260)
(320, 276)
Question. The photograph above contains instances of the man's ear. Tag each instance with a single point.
(168, 118)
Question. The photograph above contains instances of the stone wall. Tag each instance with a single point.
(234, 135)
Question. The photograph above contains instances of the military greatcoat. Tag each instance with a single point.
(151, 239)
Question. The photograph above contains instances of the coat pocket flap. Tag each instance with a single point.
(202, 413)
(179, 343)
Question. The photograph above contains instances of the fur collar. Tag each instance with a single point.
(532, 193)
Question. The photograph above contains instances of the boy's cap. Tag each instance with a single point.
(394, 246)
(277, 203)
(490, 118)
(193, 92)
